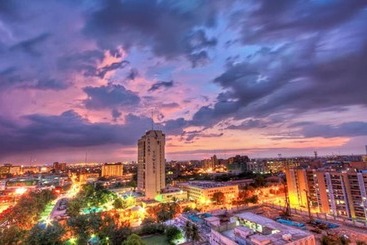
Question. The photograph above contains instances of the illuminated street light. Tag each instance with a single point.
(20, 191)
(48, 221)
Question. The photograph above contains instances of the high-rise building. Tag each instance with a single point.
(112, 169)
(151, 163)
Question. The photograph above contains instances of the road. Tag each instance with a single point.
(72, 192)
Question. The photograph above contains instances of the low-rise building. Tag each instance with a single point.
(203, 191)
(111, 169)
(249, 228)
(170, 194)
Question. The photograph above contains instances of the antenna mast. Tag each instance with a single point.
(152, 119)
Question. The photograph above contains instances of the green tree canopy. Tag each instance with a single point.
(49, 234)
(133, 239)
(218, 198)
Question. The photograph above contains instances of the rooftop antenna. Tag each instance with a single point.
(152, 119)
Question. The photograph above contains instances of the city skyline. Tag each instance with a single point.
(254, 78)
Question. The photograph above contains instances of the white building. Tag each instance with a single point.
(249, 228)
(151, 163)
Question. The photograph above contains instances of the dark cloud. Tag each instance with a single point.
(293, 78)
(278, 20)
(165, 26)
(189, 136)
(175, 126)
(249, 124)
(169, 105)
(85, 62)
(67, 130)
(133, 73)
(114, 66)
(11, 77)
(199, 59)
(115, 114)
(49, 84)
(109, 96)
(161, 84)
(31, 46)
(349, 129)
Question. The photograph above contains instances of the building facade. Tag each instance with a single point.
(203, 191)
(151, 163)
(112, 169)
(338, 193)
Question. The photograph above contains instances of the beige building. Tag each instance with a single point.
(112, 169)
(339, 193)
(151, 163)
(203, 191)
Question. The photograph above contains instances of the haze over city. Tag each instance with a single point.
(258, 78)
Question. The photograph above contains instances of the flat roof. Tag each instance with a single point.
(276, 238)
(208, 184)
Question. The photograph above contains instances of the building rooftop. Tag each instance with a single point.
(207, 184)
(267, 229)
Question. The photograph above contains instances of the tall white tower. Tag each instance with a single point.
(151, 163)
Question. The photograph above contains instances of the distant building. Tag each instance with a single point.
(112, 169)
(238, 164)
(151, 163)
(59, 167)
(249, 228)
(338, 193)
(210, 163)
(10, 169)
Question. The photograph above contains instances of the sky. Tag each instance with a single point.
(224, 77)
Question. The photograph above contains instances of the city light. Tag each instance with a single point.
(48, 221)
(20, 191)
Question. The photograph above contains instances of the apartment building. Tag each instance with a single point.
(339, 193)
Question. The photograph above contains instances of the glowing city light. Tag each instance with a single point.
(20, 191)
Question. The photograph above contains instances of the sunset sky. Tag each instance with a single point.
(254, 77)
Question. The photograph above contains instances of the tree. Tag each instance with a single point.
(79, 226)
(120, 234)
(195, 233)
(188, 230)
(133, 239)
(333, 239)
(148, 220)
(259, 181)
(187, 209)
(254, 199)
(218, 198)
(118, 203)
(74, 207)
(173, 233)
(45, 235)
(12, 235)
(167, 211)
